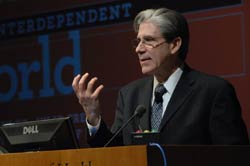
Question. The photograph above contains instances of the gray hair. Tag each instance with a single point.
(171, 23)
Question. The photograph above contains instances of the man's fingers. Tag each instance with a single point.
(86, 91)
(75, 82)
(90, 85)
(82, 83)
(98, 90)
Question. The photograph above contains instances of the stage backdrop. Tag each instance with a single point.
(44, 44)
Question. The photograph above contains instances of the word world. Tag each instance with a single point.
(19, 75)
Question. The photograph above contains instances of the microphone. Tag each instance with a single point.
(139, 111)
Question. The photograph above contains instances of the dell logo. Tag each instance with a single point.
(30, 129)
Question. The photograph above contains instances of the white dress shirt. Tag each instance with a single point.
(170, 85)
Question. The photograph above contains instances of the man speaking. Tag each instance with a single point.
(184, 105)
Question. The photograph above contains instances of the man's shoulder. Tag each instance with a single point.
(206, 79)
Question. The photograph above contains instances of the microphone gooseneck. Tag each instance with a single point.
(139, 111)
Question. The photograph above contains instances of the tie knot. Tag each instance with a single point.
(159, 92)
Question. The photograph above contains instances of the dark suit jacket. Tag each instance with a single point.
(203, 109)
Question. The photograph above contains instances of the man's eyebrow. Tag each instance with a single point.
(146, 37)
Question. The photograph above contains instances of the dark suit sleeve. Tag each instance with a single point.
(101, 137)
(104, 134)
(226, 123)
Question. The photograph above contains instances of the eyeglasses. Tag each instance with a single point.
(150, 44)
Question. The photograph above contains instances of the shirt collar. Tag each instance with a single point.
(171, 82)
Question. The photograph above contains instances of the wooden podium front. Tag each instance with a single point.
(134, 156)
(117, 156)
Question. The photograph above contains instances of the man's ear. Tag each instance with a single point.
(175, 45)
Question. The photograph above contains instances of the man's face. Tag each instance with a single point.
(155, 54)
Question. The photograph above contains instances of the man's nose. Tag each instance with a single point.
(140, 48)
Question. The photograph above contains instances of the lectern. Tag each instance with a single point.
(134, 156)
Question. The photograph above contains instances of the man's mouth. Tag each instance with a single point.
(145, 59)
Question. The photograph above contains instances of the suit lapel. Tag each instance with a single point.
(182, 91)
(145, 99)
